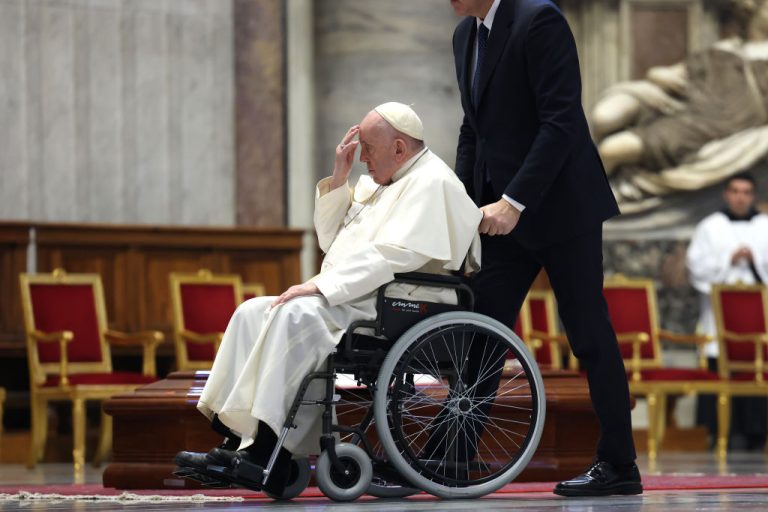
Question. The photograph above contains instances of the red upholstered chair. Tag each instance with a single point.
(68, 350)
(203, 303)
(251, 290)
(741, 317)
(545, 334)
(632, 307)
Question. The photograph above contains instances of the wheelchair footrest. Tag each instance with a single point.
(203, 476)
(247, 473)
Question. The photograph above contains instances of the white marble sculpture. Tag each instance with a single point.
(690, 125)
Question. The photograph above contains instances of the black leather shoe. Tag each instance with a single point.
(195, 460)
(199, 460)
(602, 479)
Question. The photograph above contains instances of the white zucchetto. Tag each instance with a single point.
(402, 118)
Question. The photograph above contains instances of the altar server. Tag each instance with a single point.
(731, 246)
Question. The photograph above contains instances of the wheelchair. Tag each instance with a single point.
(445, 401)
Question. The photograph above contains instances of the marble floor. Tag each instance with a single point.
(655, 501)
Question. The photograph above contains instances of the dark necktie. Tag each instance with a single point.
(482, 44)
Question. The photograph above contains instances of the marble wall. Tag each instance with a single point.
(117, 111)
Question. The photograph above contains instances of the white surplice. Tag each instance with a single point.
(709, 260)
(423, 221)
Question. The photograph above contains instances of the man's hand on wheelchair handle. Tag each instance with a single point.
(299, 290)
(499, 218)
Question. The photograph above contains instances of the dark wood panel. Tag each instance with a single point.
(14, 239)
(134, 262)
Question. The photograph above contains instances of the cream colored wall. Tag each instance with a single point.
(116, 111)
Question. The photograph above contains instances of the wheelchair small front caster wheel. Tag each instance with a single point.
(298, 480)
(353, 481)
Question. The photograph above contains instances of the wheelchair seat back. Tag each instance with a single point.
(399, 315)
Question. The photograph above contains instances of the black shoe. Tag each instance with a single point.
(199, 460)
(602, 479)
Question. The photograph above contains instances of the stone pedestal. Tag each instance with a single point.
(152, 423)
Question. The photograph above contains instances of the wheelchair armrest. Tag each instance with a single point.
(428, 279)
(455, 282)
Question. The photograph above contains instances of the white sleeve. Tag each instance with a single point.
(364, 271)
(330, 208)
(707, 263)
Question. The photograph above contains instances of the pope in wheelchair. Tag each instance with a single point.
(454, 403)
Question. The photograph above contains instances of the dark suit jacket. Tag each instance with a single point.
(529, 127)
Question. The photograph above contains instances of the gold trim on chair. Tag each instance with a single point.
(657, 391)
(726, 367)
(558, 342)
(78, 394)
(181, 334)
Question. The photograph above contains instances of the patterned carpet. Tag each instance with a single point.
(98, 493)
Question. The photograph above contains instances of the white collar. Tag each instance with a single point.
(408, 165)
(488, 21)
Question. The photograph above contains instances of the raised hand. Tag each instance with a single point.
(345, 155)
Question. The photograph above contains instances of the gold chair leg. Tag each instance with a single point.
(105, 439)
(723, 424)
(661, 418)
(653, 423)
(78, 432)
(38, 430)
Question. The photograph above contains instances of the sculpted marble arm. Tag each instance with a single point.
(673, 79)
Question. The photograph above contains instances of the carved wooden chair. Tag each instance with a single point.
(741, 317)
(633, 311)
(202, 303)
(251, 290)
(68, 350)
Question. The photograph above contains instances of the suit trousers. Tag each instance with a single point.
(575, 272)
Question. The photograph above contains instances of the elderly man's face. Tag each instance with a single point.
(740, 197)
(378, 149)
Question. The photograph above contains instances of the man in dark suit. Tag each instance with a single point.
(526, 157)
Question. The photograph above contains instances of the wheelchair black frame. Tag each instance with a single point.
(363, 364)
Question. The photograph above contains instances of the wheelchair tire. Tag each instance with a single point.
(301, 472)
(351, 484)
(449, 420)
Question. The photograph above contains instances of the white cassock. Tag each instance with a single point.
(709, 260)
(423, 221)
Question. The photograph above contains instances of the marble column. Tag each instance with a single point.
(260, 146)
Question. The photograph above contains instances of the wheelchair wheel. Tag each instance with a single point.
(301, 472)
(347, 485)
(460, 405)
